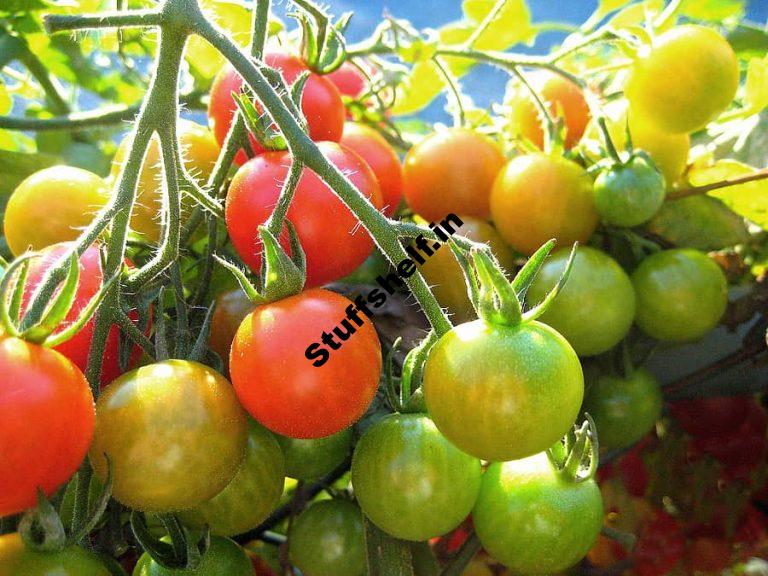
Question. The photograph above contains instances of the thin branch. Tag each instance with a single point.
(696, 190)
(135, 18)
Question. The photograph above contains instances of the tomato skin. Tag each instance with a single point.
(702, 73)
(624, 409)
(488, 388)
(231, 309)
(381, 157)
(52, 205)
(532, 519)
(561, 96)
(681, 295)
(18, 560)
(349, 80)
(253, 493)
(323, 222)
(321, 102)
(443, 273)
(311, 458)
(660, 546)
(537, 197)
(327, 540)
(281, 388)
(630, 194)
(744, 447)
(711, 417)
(46, 422)
(78, 347)
(410, 481)
(451, 171)
(223, 558)
(199, 149)
(708, 555)
(595, 308)
(174, 432)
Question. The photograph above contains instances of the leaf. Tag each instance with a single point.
(750, 200)
(605, 7)
(749, 40)
(385, 555)
(636, 14)
(235, 18)
(713, 10)
(512, 25)
(15, 166)
(756, 85)
(421, 86)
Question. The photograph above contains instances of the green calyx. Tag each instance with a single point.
(182, 549)
(322, 42)
(576, 456)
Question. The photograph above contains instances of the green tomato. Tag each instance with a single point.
(327, 540)
(174, 432)
(624, 409)
(223, 558)
(18, 560)
(410, 481)
(311, 458)
(681, 295)
(533, 519)
(252, 494)
(629, 194)
(595, 308)
(503, 392)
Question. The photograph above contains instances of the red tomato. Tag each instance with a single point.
(91, 276)
(708, 417)
(660, 546)
(320, 102)
(709, 555)
(349, 80)
(277, 383)
(46, 422)
(330, 234)
(381, 157)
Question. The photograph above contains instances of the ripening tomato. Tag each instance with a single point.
(381, 157)
(443, 273)
(660, 546)
(562, 97)
(629, 194)
(537, 197)
(330, 235)
(52, 205)
(489, 388)
(451, 172)
(174, 433)
(321, 102)
(533, 519)
(311, 458)
(709, 417)
(223, 558)
(708, 555)
(274, 374)
(349, 80)
(684, 80)
(18, 560)
(251, 495)
(199, 150)
(595, 308)
(624, 409)
(410, 481)
(681, 295)
(231, 309)
(327, 540)
(78, 347)
(46, 422)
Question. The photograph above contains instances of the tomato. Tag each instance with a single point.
(174, 433)
(743, 447)
(684, 81)
(199, 149)
(321, 102)
(537, 197)
(410, 481)
(629, 194)
(327, 540)
(489, 388)
(681, 295)
(710, 417)
(78, 347)
(46, 422)
(563, 99)
(660, 546)
(534, 520)
(443, 273)
(332, 238)
(624, 409)
(251, 495)
(311, 458)
(349, 80)
(18, 560)
(451, 172)
(52, 205)
(381, 157)
(223, 558)
(709, 555)
(274, 376)
(231, 309)
(595, 308)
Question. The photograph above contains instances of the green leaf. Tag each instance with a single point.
(510, 26)
(386, 556)
(16, 166)
(713, 10)
(749, 40)
(756, 85)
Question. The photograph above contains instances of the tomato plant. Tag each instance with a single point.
(223, 558)
(231, 309)
(17, 559)
(311, 458)
(629, 194)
